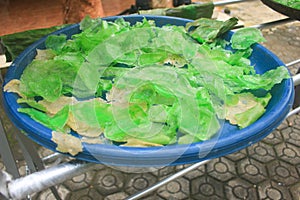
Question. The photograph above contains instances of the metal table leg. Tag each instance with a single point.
(5, 150)
(7, 155)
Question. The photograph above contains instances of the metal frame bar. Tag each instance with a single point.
(273, 23)
(293, 62)
(54, 157)
(40, 180)
(296, 79)
(227, 2)
(33, 160)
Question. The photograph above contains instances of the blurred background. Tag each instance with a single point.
(22, 15)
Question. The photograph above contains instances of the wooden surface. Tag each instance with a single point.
(21, 15)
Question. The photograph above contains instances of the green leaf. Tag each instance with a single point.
(32, 103)
(56, 122)
(257, 81)
(243, 109)
(94, 113)
(48, 79)
(87, 22)
(245, 37)
(206, 30)
(56, 42)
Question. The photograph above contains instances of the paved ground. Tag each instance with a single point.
(269, 169)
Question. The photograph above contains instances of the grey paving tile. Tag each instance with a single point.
(178, 189)
(240, 189)
(252, 170)
(288, 153)
(84, 194)
(138, 182)
(222, 169)
(273, 138)
(43, 152)
(272, 190)
(155, 197)
(262, 152)
(295, 191)
(80, 182)
(236, 156)
(292, 135)
(283, 173)
(298, 168)
(200, 171)
(165, 171)
(108, 181)
(48, 195)
(116, 196)
(205, 187)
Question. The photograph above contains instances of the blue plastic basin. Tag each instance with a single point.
(230, 139)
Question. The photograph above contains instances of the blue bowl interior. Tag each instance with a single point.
(230, 139)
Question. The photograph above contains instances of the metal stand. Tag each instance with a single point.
(7, 155)
(33, 160)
